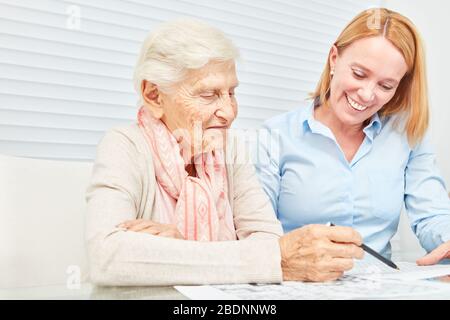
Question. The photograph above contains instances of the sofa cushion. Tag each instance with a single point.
(42, 208)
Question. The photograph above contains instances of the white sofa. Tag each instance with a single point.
(42, 211)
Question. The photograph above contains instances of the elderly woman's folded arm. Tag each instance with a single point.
(120, 257)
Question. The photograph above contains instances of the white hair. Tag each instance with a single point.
(176, 47)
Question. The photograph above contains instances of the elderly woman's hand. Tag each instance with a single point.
(319, 253)
(151, 227)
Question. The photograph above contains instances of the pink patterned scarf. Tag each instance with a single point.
(198, 206)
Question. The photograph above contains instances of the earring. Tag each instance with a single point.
(332, 72)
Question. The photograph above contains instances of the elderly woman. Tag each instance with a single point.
(360, 152)
(166, 204)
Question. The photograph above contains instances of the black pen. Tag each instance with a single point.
(375, 254)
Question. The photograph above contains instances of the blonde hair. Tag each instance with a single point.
(411, 96)
(177, 46)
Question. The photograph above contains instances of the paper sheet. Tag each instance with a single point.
(348, 287)
(204, 293)
(373, 268)
(370, 279)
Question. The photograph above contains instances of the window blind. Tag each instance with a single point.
(66, 66)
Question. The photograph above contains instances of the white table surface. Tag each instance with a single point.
(89, 292)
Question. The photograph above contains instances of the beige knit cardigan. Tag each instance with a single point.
(123, 187)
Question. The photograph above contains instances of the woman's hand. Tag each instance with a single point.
(319, 253)
(151, 227)
(438, 254)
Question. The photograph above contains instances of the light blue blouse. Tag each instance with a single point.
(309, 180)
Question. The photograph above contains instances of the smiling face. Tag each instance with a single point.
(199, 109)
(203, 105)
(366, 76)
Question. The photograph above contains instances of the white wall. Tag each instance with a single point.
(432, 19)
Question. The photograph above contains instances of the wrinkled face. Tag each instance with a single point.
(367, 74)
(202, 107)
